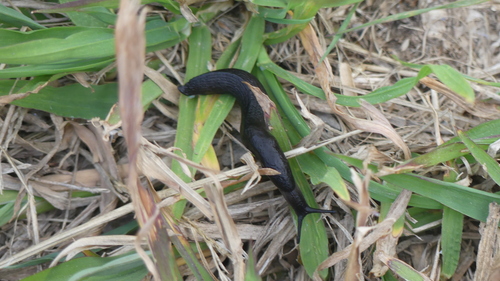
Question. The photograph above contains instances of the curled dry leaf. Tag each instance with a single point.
(95, 242)
(317, 125)
(479, 109)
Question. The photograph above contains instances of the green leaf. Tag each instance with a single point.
(383, 94)
(74, 101)
(451, 240)
(319, 172)
(251, 44)
(271, 12)
(100, 14)
(14, 18)
(84, 19)
(48, 69)
(404, 15)
(468, 201)
(388, 192)
(6, 212)
(441, 154)
(343, 27)
(59, 45)
(124, 267)
(271, 3)
(490, 165)
(454, 80)
(424, 216)
(251, 273)
(404, 270)
(150, 91)
(481, 133)
(200, 50)
(288, 21)
(56, 45)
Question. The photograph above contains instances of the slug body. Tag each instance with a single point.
(253, 130)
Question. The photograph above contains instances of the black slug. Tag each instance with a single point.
(254, 131)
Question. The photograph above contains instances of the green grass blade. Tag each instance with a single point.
(319, 172)
(483, 135)
(489, 164)
(83, 19)
(56, 45)
(388, 192)
(343, 27)
(272, 3)
(124, 267)
(49, 69)
(99, 14)
(74, 101)
(251, 274)
(198, 58)
(486, 130)
(303, 12)
(336, 3)
(404, 270)
(59, 45)
(150, 92)
(404, 15)
(451, 240)
(228, 55)
(468, 201)
(454, 80)
(14, 18)
(251, 43)
(441, 154)
(69, 6)
(266, 63)
(383, 94)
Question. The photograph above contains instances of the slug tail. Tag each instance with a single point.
(308, 210)
(300, 218)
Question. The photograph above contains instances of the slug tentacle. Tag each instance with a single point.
(254, 131)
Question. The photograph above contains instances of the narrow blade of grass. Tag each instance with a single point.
(490, 165)
(404, 15)
(128, 266)
(199, 56)
(451, 240)
(468, 201)
(14, 18)
(454, 80)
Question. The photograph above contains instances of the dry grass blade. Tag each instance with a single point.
(153, 166)
(88, 243)
(67, 235)
(354, 267)
(380, 230)
(324, 73)
(227, 228)
(130, 56)
(479, 108)
(489, 247)
(169, 89)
